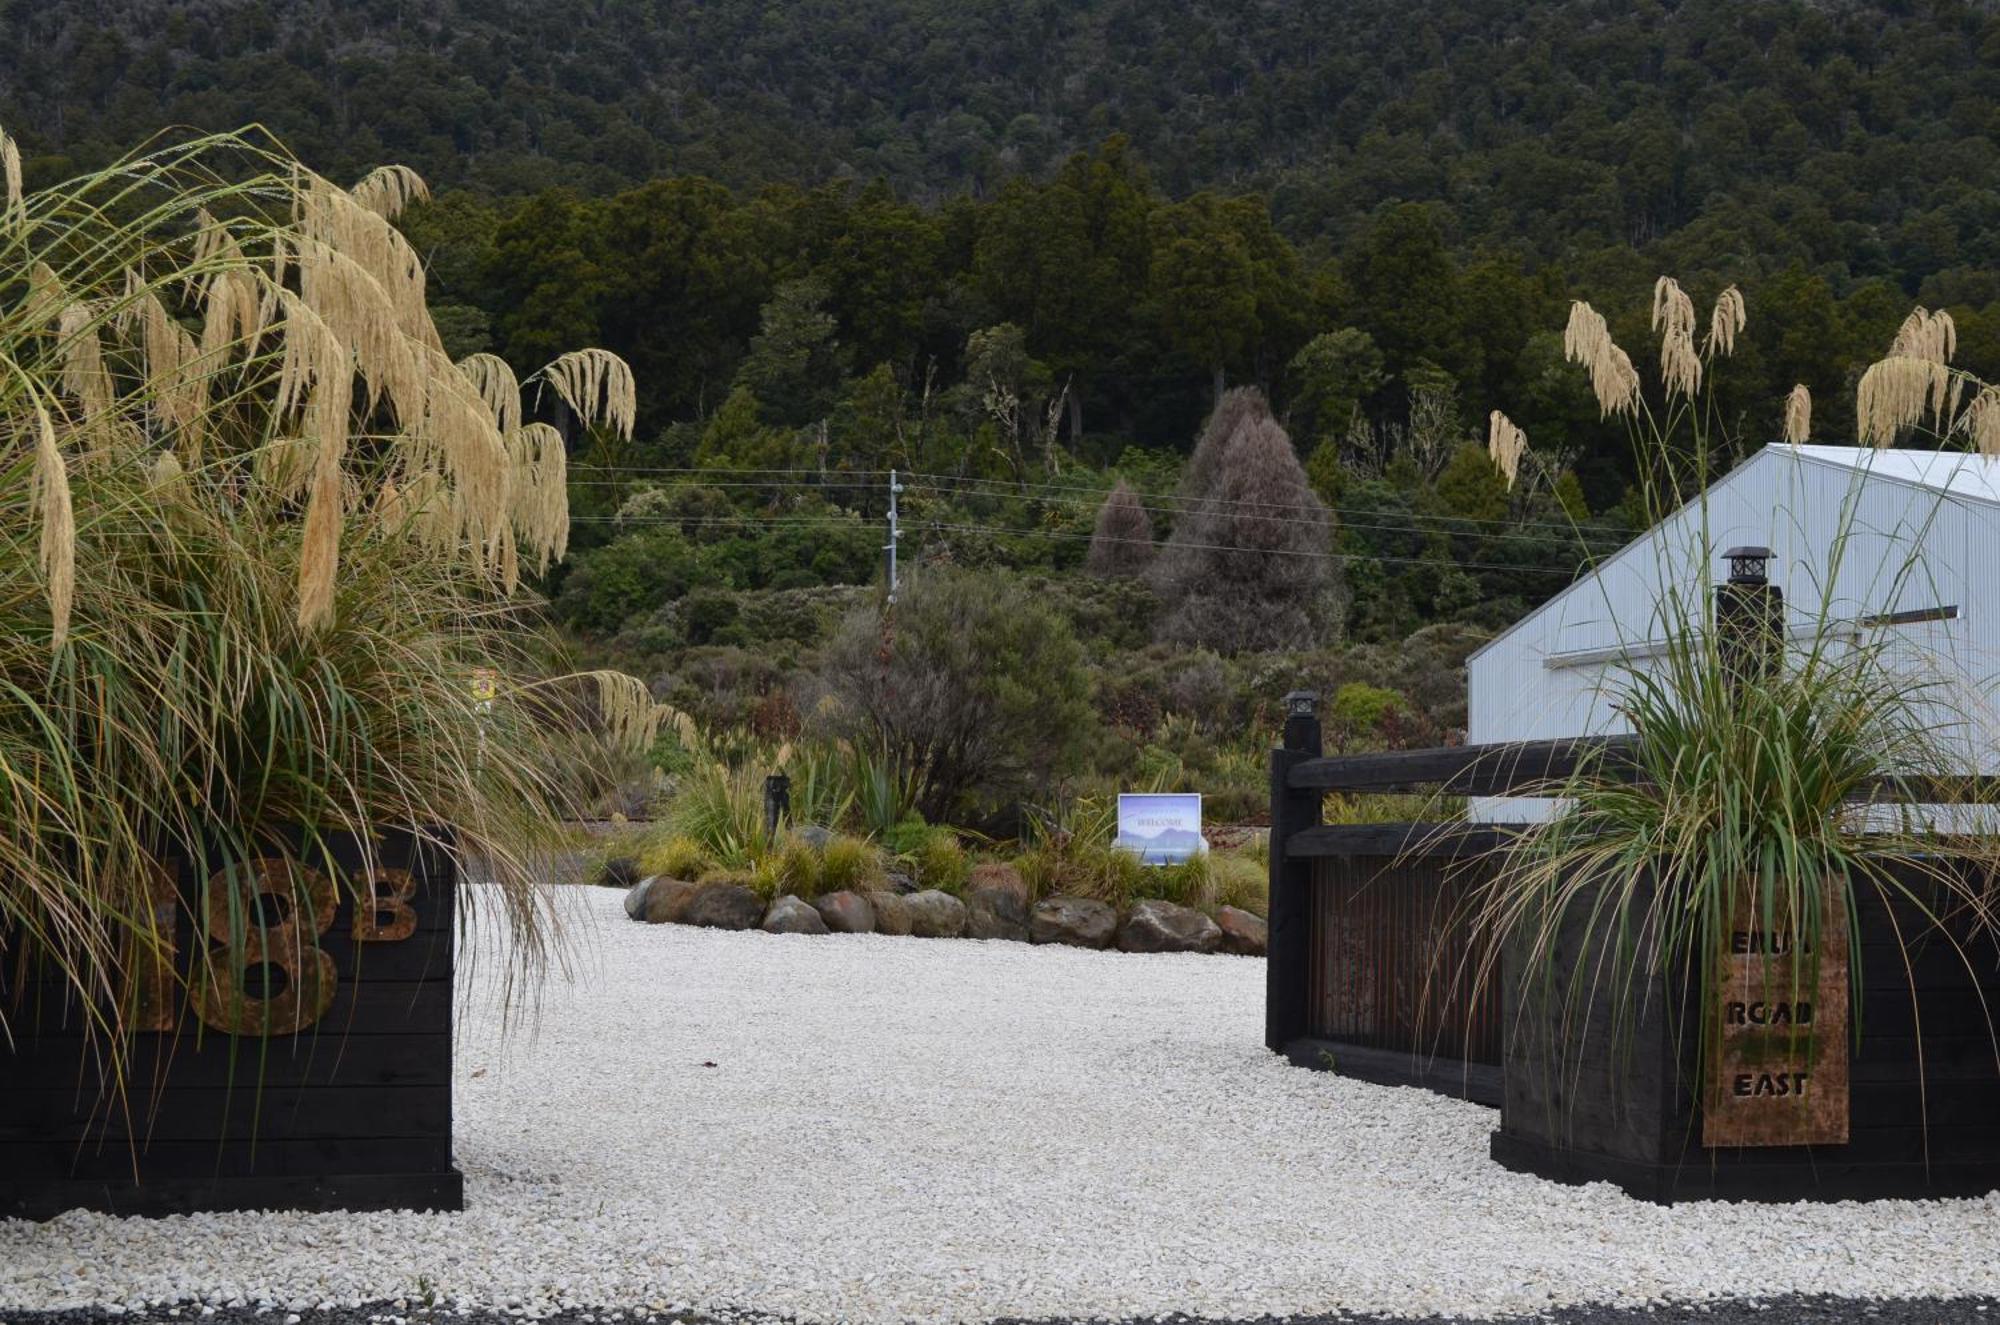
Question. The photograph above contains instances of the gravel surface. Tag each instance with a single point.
(872, 1129)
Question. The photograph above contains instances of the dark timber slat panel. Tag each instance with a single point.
(1379, 1003)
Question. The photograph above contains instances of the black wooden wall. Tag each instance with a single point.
(351, 1112)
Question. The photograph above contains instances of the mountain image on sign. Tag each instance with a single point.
(1161, 828)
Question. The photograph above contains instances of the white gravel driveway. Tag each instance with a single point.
(905, 1129)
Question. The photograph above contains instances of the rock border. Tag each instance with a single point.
(994, 907)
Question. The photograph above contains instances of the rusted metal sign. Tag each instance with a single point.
(1778, 1043)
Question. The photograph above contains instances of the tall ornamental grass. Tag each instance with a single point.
(1744, 798)
(260, 546)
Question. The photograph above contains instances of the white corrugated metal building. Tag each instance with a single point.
(1555, 672)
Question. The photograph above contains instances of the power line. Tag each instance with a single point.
(956, 485)
(1057, 534)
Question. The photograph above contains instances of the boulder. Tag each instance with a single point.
(1243, 932)
(724, 906)
(1156, 926)
(813, 836)
(847, 913)
(791, 915)
(935, 915)
(619, 872)
(892, 911)
(667, 900)
(1077, 921)
(996, 904)
(635, 898)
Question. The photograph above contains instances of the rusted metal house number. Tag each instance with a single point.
(263, 972)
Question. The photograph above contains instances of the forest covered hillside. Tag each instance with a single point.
(1854, 134)
(1024, 253)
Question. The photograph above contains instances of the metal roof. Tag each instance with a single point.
(1957, 473)
(1960, 473)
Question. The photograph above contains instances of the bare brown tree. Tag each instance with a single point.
(1122, 544)
(1250, 565)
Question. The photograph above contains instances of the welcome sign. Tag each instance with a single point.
(1163, 828)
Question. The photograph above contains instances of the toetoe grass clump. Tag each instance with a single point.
(261, 544)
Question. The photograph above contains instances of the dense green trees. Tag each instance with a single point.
(1019, 253)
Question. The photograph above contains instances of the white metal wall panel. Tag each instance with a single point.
(1539, 681)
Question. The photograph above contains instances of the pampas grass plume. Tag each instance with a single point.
(1798, 415)
(1505, 444)
(1728, 318)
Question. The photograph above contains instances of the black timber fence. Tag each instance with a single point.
(1371, 959)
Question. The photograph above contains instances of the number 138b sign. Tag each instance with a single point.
(258, 965)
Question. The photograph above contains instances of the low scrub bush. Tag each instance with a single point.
(849, 863)
(795, 865)
(676, 856)
(721, 810)
(938, 860)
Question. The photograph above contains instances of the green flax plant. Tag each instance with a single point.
(1747, 792)
(260, 552)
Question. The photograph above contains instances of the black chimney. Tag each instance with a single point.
(1749, 616)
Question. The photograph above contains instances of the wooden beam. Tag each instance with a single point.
(1391, 840)
(1462, 770)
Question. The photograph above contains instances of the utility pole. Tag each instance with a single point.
(894, 534)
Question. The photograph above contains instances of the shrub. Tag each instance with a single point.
(1122, 543)
(848, 863)
(1242, 881)
(904, 836)
(939, 861)
(973, 689)
(721, 810)
(677, 857)
(1362, 709)
(796, 865)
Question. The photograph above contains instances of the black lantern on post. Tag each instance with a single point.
(1302, 720)
(1749, 616)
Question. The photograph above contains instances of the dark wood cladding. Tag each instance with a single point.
(1392, 972)
(352, 1112)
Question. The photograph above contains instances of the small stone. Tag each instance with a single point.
(935, 915)
(813, 836)
(1243, 932)
(1157, 926)
(791, 915)
(1080, 922)
(846, 912)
